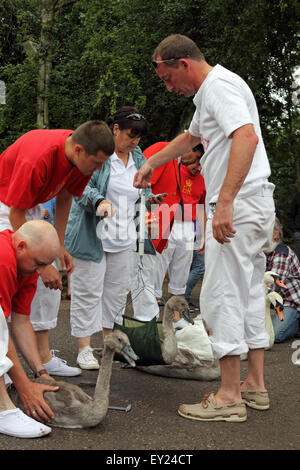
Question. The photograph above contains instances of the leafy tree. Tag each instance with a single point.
(84, 59)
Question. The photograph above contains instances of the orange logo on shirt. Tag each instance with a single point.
(56, 190)
(187, 188)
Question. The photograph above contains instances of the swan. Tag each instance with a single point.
(275, 299)
(270, 277)
(271, 298)
(73, 408)
(182, 361)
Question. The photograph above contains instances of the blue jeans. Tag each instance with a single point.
(196, 272)
(288, 327)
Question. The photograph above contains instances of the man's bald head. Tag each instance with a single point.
(37, 245)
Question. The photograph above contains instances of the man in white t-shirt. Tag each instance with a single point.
(240, 218)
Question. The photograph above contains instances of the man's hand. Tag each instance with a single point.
(66, 261)
(222, 221)
(105, 209)
(32, 397)
(157, 198)
(51, 278)
(143, 177)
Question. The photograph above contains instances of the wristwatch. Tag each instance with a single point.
(39, 373)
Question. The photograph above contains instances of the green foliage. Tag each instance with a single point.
(101, 59)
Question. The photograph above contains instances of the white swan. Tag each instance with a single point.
(272, 298)
(275, 299)
(73, 408)
(182, 359)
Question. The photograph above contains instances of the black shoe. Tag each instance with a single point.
(193, 307)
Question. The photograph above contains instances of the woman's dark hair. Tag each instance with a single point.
(129, 117)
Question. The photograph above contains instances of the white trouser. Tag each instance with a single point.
(45, 306)
(86, 283)
(176, 259)
(99, 292)
(46, 302)
(5, 362)
(232, 295)
(36, 212)
(142, 289)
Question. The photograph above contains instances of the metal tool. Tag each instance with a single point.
(142, 222)
(121, 408)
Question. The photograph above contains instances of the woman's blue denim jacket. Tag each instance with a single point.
(81, 239)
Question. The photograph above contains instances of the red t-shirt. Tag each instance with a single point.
(34, 169)
(165, 179)
(193, 192)
(16, 291)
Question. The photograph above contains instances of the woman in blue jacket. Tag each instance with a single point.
(103, 248)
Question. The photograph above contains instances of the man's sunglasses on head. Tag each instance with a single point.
(135, 117)
(156, 63)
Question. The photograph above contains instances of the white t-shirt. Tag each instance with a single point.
(119, 232)
(224, 103)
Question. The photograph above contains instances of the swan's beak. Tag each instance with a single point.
(279, 282)
(129, 355)
(186, 314)
(279, 311)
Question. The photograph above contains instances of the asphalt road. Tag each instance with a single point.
(153, 423)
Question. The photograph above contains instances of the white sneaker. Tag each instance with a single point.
(18, 424)
(86, 359)
(7, 380)
(58, 366)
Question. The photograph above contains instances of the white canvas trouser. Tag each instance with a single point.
(45, 306)
(144, 302)
(176, 259)
(5, 362)
(232, 295)
(46, 302)
(99, 292)
(86, 283)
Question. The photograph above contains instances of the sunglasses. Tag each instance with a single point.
(156, 63)
(197, 160)
(135, 117)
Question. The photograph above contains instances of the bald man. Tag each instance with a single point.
(38, 166)
(24, 255)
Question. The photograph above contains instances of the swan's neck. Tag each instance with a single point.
(103, 382)
(169, 346)
(268, 322)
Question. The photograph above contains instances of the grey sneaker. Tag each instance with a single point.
(59, 367)
(86, 359)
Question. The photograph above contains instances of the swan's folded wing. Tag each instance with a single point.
(194, 338)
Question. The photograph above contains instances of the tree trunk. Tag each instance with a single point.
(45, 63)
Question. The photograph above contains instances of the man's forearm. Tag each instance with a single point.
(62, 208)
(16, 217)
(16, 372)
(241, 157)
(25, 339)
(178, 146)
